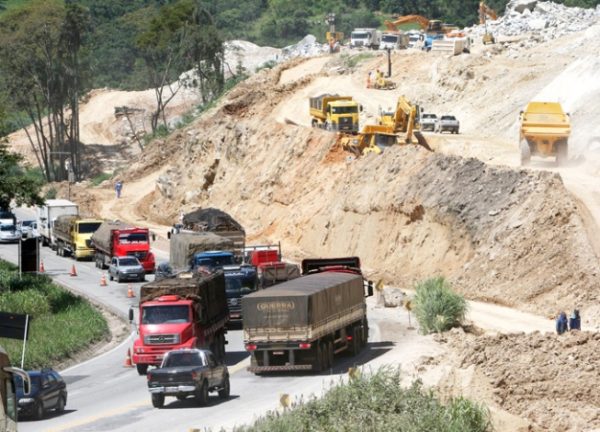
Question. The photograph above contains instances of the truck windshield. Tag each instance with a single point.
(88, 227)
(390, 38)
(133, 238)
(344, 110)
(165, 314)
(7, 227)
(175, 359)
(235, 288)
(214, 261)
(359, 35)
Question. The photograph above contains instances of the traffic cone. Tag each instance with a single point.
(130, 293)
(103, 280)
(42, 270)
(73, 271)
(128, 362)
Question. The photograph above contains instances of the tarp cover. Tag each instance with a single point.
(62, 226)
(301, 302)
(184, 245)
(208, 291)
(101, 239)
(210, 219)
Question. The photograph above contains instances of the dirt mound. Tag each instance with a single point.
(210, 219)
(550, 380)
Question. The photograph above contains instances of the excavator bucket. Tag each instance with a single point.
(421, 140)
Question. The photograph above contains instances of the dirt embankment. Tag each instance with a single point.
(550, 381)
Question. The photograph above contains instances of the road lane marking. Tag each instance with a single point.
(118, 347)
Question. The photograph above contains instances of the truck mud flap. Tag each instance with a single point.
(278, 368)
(422, 141)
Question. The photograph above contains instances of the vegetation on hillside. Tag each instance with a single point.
(61, 323)
(438, 308)
(377, 402)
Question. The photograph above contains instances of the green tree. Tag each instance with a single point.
(15, 183)
(40, 73)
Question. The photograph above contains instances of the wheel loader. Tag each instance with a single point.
(544, 131)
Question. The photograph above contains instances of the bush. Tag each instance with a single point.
(96, 180)
(61, 322)
(350, 61)
(437, 308)
(377, 402)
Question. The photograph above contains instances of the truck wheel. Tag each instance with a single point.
(525, 152)
(158, 400)
(318, 361)
(226, 390)
(110, 277)
(39, 411)
(330, 358)
(355, 343)
(142, 369)
(313, 123)
(202, 394)
(562, 153)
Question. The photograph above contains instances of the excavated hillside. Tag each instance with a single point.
(513, 237)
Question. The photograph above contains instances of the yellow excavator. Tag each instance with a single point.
(486, 12)
(394, 127)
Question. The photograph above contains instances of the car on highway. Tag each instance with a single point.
(164, 271)
(28, 228)
(188, 372)
(127, 268)
(48, 392)
(9, 233)
(7, 217)
(429, 122)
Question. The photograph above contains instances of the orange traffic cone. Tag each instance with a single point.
(73, 271)
(130, 292)
(42, 270)
(103, 280)
(128, 362)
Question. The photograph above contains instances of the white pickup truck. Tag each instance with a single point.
(429, 122)
(448, 123)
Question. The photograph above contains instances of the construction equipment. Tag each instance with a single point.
(486, 12)
(544, 131)
(334, 112)
(334, 38)
(394, 127)
(381, 83)
(434, 29)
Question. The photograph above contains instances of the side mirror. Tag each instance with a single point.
(130, 314)
(369, 289)
(361, 107)
(169, 235)
(153, 236)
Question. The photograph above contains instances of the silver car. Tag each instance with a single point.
(126, 268)
(9, 233)
(28, 228)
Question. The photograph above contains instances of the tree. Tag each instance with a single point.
(41, 74)
(15, 184)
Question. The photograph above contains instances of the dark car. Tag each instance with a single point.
(48, 392)
(164, 271)
(188, 372)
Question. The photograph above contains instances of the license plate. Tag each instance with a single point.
(170, 389)
(278, 352)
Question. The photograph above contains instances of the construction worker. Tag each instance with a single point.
(575, 321)
(369, 79)
(118, 188)
(561, 323)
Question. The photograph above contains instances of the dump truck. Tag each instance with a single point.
(544, 131)
(303, 323)
(188, 311)
(365, 38)
(185, 245)
(334, 112)
(73, 236)
(47, 215)
(118, 239)
(217, 222)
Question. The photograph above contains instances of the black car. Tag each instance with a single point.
(48, 392)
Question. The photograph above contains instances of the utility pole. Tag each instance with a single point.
(389, 55)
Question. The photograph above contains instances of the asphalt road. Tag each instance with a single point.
(106, 396)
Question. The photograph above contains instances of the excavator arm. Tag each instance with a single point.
(407, 19)
(486, 12)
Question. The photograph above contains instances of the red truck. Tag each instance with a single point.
(117, 239)
(188, 311)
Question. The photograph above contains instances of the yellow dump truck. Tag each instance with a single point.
(336, 113)
(545, 130)
(73, 235)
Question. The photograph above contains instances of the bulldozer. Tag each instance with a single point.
(394, 127)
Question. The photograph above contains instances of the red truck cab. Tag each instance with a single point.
(166, 323)
(134, 242)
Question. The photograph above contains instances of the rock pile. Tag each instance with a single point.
(307, 47)
(547, 19)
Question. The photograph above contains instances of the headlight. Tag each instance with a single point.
(25, 401)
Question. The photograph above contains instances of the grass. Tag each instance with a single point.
(377, 402)
(61, 323)
(350, 61)
(103, 176)
(437, 308)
